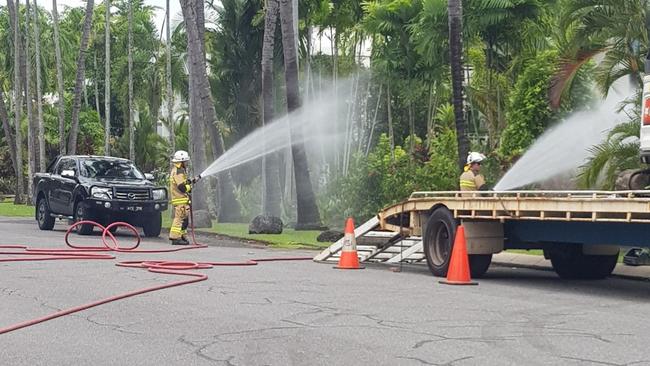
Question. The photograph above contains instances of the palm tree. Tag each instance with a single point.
(618, 152)
(271, 173)
(39, 92)
(308, 216)
(14, 16)
(26, 65)
(79, 81)
(168, 77)
(614, 28)
(59, 78)
(8, 134)
(202, 110)
(455, 11)
(197, 118)
(107, 80)
(130, 62)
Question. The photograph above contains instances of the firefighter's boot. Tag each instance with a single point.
(180, 241)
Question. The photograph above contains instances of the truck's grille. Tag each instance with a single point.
(129, 194)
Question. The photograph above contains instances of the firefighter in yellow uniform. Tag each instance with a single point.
(180, 188)
(471, 179)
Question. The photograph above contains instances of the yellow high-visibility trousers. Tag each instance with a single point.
(180, 222)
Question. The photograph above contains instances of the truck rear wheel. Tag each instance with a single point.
(43, 215)
(438, 242)
(570, 263)
(153, 226)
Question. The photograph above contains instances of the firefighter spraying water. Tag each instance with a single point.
(180, 188)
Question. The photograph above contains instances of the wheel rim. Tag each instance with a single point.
(441, 245)
(41, 213)
(79, 215)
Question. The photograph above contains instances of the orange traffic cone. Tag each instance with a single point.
(458, 272)
(349, 258)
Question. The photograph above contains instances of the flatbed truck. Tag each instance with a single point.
(581, 232)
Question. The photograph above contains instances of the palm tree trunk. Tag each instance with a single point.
(9, 135)
(14, 21)
(229, 209)
(81, 72)
(270, 169)
(130, 61)
(455, 10)
(107, 80)
(26, 65)
(202, 112)
(374, 119)
(197, 121)
(39, 92)
(391, 131)
(96, 85)
(168, 77)
(18, 104)
(308, 216)
(59, 78)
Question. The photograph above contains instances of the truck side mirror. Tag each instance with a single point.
(149, 176)
(68, 174)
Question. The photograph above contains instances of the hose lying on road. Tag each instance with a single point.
(76, 252)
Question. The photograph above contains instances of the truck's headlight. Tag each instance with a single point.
(101, 192)
(159, 194)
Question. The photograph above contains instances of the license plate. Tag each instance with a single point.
(134, 208)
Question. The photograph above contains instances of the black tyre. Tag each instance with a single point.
(43, 215)
(438, 241)
(570, 263)
(479, 264)
(82, 213)
(152, 226)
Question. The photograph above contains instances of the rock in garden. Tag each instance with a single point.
(265, 225)
(329, 236)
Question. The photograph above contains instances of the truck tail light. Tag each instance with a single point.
(646, 111)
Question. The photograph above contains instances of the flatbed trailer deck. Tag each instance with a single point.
(579, 231)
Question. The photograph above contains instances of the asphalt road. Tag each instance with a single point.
(304, 313)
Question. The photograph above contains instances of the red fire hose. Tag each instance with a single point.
(110, 244)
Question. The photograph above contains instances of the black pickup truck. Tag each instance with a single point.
(101, 189)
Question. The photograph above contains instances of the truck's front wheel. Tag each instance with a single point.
(153, 226)
(438, 242)
(569, 262)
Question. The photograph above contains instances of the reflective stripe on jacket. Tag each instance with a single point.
(470, 181)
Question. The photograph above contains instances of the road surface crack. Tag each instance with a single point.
(425, 362)
(598, 362)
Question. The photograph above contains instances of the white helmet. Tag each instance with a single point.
(475, 157)
(180, 156)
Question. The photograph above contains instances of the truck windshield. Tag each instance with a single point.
(117, 169)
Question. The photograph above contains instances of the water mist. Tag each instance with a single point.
(565, 147)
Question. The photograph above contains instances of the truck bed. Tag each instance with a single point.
(565, 206)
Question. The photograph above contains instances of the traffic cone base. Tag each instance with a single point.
(459, 283)
(458, 272)
(349, 260)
